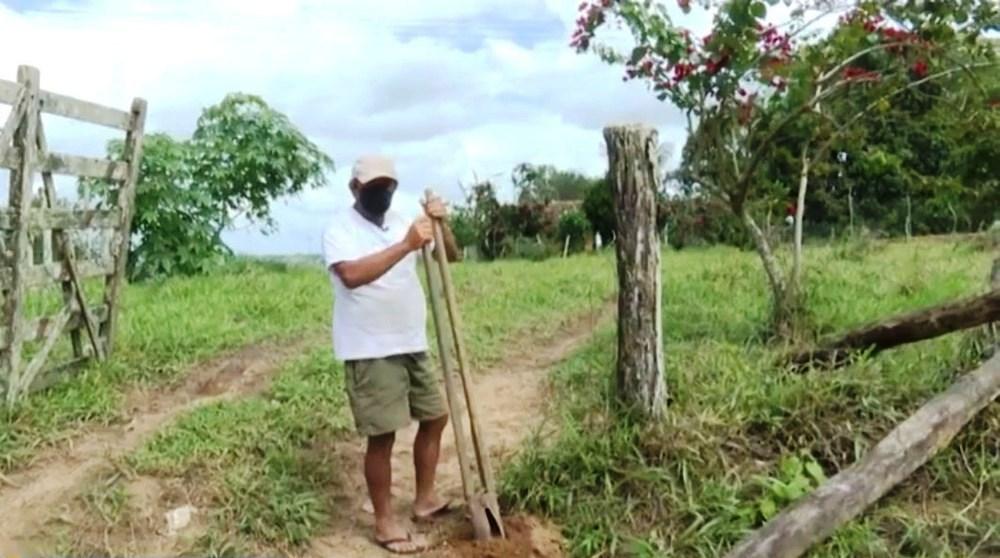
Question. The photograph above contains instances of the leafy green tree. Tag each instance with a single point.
(575, 226)
(599, 208)
(243, 155)
(248, 154)
(544, 183)
(748, 82)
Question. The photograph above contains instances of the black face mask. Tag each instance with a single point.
(376, 199)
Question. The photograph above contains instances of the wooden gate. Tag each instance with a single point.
(39, 241)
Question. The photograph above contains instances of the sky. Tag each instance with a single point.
(453, 90)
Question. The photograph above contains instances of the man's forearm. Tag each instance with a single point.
(360, 272)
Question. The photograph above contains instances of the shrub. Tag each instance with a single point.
(534, 249)
(574, 224)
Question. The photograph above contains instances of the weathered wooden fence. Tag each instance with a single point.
(37, 238)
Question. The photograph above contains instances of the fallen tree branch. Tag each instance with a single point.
(792, 532)
(900, 330)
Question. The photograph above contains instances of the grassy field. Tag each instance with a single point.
(167, 326)
(743, 439)
(260, 461)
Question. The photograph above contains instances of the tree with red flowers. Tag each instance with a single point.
(749, 83)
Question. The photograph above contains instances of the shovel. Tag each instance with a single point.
(482, 499)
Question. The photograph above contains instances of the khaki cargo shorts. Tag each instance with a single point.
(386, 393)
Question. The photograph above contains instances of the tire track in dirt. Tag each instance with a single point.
(512, 400)
(35, 495)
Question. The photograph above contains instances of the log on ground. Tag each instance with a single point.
(900, 330)
(844, 496)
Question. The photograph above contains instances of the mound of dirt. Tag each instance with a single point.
(527, 537)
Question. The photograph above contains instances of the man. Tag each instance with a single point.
(379, 331)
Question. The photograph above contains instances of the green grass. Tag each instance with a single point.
(167, 326)
(266, 462)
(742, 439)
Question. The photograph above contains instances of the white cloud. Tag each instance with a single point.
(451, 89)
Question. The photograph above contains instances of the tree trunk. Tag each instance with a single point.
(993, 329)
(850, 207)
(903, 451)
(907, 328)
(909, 218)
(800, 210)
(781, 305)
(632, 152)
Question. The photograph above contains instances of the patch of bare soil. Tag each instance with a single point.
(512, 402)
(45, 490)
(527, 537)
(99, 524)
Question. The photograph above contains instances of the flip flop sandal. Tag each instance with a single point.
(445, 508)
(417, 548)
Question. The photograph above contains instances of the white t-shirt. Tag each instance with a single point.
(389, 315)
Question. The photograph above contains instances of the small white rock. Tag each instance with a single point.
(179, 518)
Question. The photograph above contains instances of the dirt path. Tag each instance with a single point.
(512, 400)
(31, 497)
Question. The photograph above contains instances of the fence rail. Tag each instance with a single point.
(69, 107)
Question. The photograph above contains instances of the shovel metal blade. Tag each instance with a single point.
(485, 512)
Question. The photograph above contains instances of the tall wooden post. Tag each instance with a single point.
(126, 203)
(632, 159)
(20, 202)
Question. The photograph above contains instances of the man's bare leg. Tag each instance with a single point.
(426, 451)
(378, 476)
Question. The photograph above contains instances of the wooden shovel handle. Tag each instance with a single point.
(478, 439)
(458, 426)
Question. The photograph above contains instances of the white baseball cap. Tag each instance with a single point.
(372, 166)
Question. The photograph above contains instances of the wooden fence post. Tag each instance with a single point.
(20, 203)
(126, 203)
(632, 158)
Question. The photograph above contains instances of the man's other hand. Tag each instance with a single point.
(435, 207)
(420, 234)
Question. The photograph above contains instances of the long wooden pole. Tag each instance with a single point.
(457, 422)
(911, 444)
(478, 439)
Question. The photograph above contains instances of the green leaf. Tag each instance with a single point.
(815, 471)
(768, 508)
(798, 488)
(791, 467)
(758, 10)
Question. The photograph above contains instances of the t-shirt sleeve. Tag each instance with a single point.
(339, 246)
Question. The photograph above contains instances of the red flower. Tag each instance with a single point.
(684, 5)
(920, 68)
